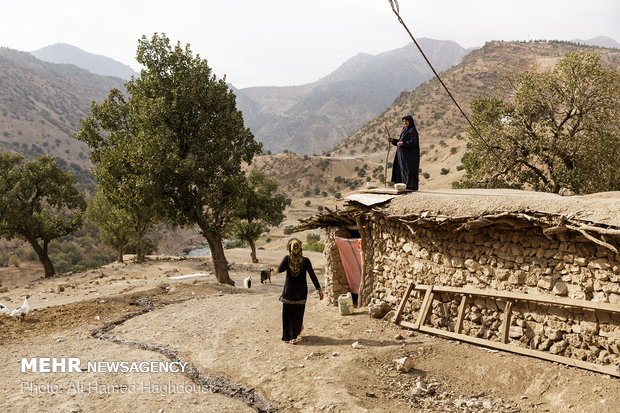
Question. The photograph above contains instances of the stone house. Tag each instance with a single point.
(540, 246)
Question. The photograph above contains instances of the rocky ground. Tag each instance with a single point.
(230, 339)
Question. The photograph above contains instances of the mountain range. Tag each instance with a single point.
(314, 117)
(482, 72)
(63, 53)
(41, 104)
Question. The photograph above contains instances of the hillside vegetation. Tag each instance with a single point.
(41, 104)
(440, 124)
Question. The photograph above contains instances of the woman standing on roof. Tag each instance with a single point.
(295, 291)
(407, 159)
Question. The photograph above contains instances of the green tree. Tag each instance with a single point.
(188, 141)
(115, 223)
(259, 208)
(38, 203)
(558, 129)
(120, 136)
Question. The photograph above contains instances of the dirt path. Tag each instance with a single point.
(231, 338)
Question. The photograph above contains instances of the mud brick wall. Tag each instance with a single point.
(502, 259)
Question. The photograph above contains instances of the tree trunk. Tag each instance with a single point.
(253, 253)
(119, 251)
(219, 259)
(43, 257)
(139, 243)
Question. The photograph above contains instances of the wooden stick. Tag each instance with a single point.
(387, 155)
(399, 311)
(428, 300)
(506, 325)
(593, 239)
(611, 370)
(459, 319)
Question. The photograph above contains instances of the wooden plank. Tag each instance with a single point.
(611, 370)
(429, 288)
(389, 191)
(407, 324)
(566, 302)
(459, 319)
(505, 328)
(424, 310)
(403, 302)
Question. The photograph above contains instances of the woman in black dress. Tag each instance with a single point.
(407, 159)
(295, 291)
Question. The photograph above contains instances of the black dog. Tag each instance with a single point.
(265, 275)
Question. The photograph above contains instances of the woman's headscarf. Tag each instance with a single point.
(410, 119)
(295, 256)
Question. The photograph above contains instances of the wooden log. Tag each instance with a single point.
(403, 302)
(459, 319)
(506, 323)
(426, 305)
(611, 370)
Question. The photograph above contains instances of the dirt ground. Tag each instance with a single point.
(230, 339)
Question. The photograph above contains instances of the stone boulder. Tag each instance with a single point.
(379, 310)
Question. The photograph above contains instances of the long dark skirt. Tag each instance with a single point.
(412, 182)
(292, 319)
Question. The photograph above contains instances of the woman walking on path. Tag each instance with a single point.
(295, 291)
(407, 159)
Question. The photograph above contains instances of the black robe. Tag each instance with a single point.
(294, 297)
(296, 286)
(407, 159)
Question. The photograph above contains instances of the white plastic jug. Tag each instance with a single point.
(345, 304)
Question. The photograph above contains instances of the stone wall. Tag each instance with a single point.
(504, 259)
(335, 278)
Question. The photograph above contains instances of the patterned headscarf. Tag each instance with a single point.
(295, 256)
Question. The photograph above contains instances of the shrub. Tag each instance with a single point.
(149, 246)
(320, 208)
(307, 203)
(288, 230)
(14, 261)
(314, 246)
(234, 244)
(426, 175)
(445, 171)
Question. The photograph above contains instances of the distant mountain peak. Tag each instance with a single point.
(64, 53)
(600, 41)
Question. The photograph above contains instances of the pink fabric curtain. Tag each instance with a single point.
(350, 250)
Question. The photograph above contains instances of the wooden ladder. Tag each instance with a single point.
(503, 344)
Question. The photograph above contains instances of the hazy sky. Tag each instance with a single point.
(290, 42)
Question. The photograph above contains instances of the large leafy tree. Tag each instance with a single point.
(38, 203)
(260, 208)
(187, 141)
(558, 129)
(115, 223)
(118, 133)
